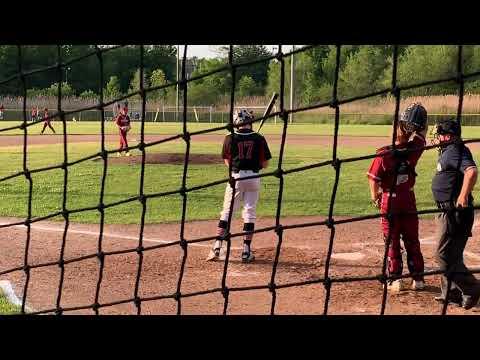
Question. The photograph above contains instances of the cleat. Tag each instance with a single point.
(247, 257)
(469, 302)
(395, 286)
(454, 298)
(127, 154)
(215, 252)
(222, 253)
(418, 285)
(212, 256)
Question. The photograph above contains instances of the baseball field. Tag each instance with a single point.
(358, 247)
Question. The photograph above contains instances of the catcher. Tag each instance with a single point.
(248, 153)
(123, 122)
(411, 132)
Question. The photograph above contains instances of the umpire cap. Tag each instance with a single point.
(448, 126)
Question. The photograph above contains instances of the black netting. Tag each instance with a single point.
(143, 198)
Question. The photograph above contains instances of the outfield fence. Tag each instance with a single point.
(210, 114)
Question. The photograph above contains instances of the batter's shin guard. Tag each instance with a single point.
(222, 230)
(248, 228)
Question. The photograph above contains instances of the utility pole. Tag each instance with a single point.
(292, 82)
(178, 90)
(67, 69)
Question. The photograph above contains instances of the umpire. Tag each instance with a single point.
(452, 188)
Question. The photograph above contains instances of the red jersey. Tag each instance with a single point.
(383, 167)
(122, 120)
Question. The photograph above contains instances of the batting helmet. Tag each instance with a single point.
(413, 118)
(242, 117)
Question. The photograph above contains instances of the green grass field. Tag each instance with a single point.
(176, 128)
(6, 308)
(305, 193)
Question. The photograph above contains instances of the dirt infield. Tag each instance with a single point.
(343, 141)
(302, 257)
(13, 140)
(158, 158)
(358, 251)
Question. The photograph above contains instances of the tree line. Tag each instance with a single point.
(363, 69)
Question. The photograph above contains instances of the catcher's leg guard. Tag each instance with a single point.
(415, 260)
(394, 254)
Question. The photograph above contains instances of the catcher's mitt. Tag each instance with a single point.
(414, 118)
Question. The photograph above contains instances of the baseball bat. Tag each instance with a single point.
(268, 110)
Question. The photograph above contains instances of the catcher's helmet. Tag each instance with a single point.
(448, 126)
(414, 117)
(242, 117)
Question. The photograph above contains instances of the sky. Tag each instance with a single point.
(208, 51)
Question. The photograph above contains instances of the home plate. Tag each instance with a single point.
(242, 273)
(352, 256)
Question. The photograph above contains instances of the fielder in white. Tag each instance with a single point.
(248, 153)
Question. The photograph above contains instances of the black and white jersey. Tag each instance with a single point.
(246, 149)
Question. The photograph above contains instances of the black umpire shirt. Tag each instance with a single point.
(248, 151)
(447, 183)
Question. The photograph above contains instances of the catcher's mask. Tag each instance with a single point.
(414, 118)
(242, 117)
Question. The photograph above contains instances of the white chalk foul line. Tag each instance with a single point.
(110, 235)
(6, 289)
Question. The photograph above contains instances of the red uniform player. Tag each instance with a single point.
(34, 114)
(1, 111)
(123, 122)
(46, 121)
(411, 131)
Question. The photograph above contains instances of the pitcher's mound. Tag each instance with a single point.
(160, 158)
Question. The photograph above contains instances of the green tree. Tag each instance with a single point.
(471, 65)
(135, 82)
(83, 75)
(157, 78)
(88, 94)
(112, 89)
(306, 83)
(247, 87)
(53, 90)
(209, 90)
(363, 71)
(421, 63)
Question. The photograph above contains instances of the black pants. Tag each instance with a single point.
(49, 125)
(454, 228)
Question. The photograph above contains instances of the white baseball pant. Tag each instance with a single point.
(246, 191)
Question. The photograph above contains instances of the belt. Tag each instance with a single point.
(445, 205)
(387, 192)
(238, 171)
